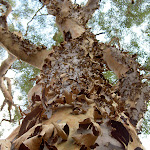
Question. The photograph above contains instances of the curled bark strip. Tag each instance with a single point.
(132, 90)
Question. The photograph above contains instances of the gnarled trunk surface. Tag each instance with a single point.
(73, 106)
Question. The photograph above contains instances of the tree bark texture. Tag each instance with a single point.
(73, 106)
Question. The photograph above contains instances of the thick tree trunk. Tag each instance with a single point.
(73, 106)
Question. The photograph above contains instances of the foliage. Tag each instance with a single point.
(22, 81)
(126, 21)
(58, 38)
(147, 64)
(17, 116)
(146, 123)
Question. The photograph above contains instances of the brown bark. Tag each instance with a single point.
(15, 44)
(73, 106)
(6, 90)
(6, 64)
(23, 49)
(19, 48)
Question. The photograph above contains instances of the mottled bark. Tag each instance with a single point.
(73, 106)
(19, 48)
(23, 49)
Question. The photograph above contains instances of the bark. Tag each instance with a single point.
(23, 49)
(6, 64)
(15, 44)
(3, 69)
(6, 89)
(17, 47)
(73, 106)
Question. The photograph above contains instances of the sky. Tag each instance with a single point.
(145, 139)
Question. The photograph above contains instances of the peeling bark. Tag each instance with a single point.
(74, 89)
(72, 105)
(23, 49)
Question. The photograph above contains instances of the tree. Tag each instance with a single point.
(72, 105)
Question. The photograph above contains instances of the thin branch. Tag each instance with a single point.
(7, 92)
(6, 64)
(147, 77)
(145, 68)
(32, 19)
(8, 120)
(100, 33)
(8, 84)
(2, 106)
(43, 15)
(90, 8)
(115, 39)
(5, 14)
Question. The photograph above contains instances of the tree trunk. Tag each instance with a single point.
(73, 106)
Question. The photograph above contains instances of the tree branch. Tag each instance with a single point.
(23, 49)
(8, 84)
(8, 8)
(92, 5)
(7, 91)
(6, 64)
(7, 95)
(70, 18)
(3, 18)
(90, 8)
(32, 19)
(3, 69)
(20, 48)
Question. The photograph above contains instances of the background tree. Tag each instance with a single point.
(103, 24)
